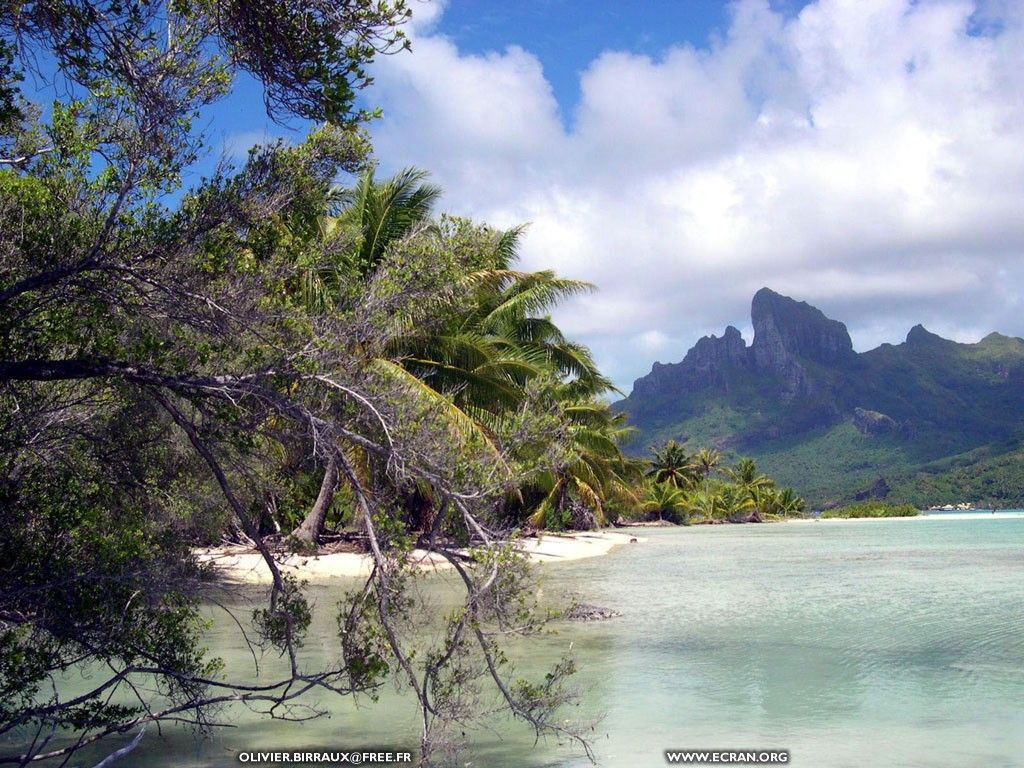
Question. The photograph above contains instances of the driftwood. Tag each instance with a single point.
(118, 754)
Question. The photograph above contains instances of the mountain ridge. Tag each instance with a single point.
(799, 386)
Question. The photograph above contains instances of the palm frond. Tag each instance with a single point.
(464, 427)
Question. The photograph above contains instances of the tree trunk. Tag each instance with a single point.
(563, 493)
(426, 513)
(309, 529)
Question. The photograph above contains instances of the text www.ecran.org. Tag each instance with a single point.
(730, 756)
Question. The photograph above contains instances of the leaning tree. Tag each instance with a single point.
(156, 359)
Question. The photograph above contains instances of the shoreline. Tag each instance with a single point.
(997, 515)
(244, 565)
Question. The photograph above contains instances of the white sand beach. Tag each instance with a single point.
(242, 564)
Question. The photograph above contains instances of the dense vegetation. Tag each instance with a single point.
(687, 488)
(940, 421)
(290, 345)
(991, 476)
(872, 509)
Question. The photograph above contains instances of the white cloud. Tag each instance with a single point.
(865, 156)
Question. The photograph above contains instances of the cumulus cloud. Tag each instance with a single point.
(864, 156)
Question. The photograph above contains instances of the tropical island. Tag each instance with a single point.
(923, 422)
(293, 458)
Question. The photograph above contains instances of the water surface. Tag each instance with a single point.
(850, 643)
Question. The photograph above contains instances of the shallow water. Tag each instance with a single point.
(887, 643)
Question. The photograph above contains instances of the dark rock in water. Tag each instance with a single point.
(879, 490)
(584, 612)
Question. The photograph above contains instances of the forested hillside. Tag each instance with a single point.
(928, 421)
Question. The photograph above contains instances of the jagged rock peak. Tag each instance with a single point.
(711, 351)
(785, 328)
(921, 335)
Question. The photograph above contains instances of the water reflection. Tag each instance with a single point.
(849, 644)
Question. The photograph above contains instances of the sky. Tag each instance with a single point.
(866, 156)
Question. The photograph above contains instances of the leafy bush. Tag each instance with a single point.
(872, 509)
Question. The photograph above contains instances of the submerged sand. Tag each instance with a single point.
(969, 515)
(239, 564)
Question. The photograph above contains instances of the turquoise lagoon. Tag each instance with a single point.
(849, 643)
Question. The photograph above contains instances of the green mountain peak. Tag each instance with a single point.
(829, 421)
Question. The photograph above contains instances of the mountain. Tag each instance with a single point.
(927, 421)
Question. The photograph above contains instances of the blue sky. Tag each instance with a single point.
(566, 35)
(862, 155)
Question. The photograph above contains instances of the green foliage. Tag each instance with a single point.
(284, 623)
(672, 465)
(94, 569)
(667, 501)
(110, 301)
(180, 368)
(872, 509)
(991, 476)
(482, 348)
(310, 57)
(684, 488)
(10, 76)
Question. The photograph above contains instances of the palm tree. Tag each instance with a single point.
(486, 344)
(594, 471)
(735, 501)
(667, 499)
(673, 465)
(759, 487)
(746, 475)
(354, 228)
(704, 504)
(787, 502)
(498, 340)
(495, 340)
(370, 217)
(384, 212)
(722, 501)
(706, 460)
(765, 498)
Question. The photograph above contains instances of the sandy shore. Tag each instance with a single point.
(241, 565)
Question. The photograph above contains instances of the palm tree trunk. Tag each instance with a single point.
(310, 528)
(563, 494)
